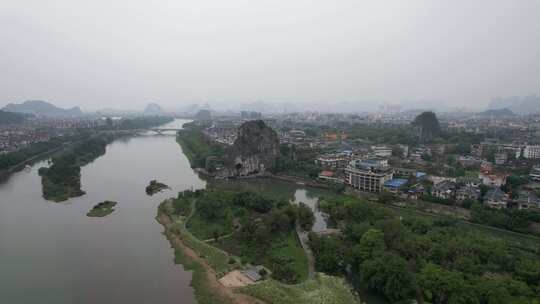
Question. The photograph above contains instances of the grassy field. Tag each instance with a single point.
(322, 289)
(216, 258)
(204, 292)
(205, 230)
(285, 247)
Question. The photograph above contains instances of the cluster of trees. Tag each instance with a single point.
(62, 179)
(262, 226)
(17, 157)
(434, 261)
(197, 147)
(509, 219)
(297, 162)
(383, 134)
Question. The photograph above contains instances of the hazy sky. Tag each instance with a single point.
(124, 54)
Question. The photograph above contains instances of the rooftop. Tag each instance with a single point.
(395, 182)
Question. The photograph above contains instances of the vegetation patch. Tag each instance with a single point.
(322, 289)
(204, 291)
(62, 180)
(216, 258)
(155, 187)
(196, 146)
(264, 230)
(405, 256)
(102, 209)
(283, 255)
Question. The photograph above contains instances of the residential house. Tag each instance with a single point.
(444, 190)
(527, 200)
(493, 180)
(496, 198)
(468, 192)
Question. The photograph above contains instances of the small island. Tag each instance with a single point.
(102, 209)
(155, 187)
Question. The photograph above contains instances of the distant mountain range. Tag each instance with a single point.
(12, 118)
(43, 108)
(520, 105)
(497, 113)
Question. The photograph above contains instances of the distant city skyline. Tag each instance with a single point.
(94, 54)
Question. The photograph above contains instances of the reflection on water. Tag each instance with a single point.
(53, 253)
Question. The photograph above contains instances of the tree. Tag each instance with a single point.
(428, 126)
(442, 286)
(529, 270)
(389, 274)
(371, 245)
(502, 291)
(306, 219)
(329, 253)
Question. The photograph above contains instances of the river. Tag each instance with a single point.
(53, 253)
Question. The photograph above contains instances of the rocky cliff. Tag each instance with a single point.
(254, 151)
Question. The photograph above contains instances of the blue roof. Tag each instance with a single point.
(395, 183)
(420, 174)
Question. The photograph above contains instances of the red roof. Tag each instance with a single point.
(327, 173)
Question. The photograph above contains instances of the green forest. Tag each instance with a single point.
(256, 228)
(197, 147)
(434, 260)
(62, 179)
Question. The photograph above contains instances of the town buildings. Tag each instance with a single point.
(535, 174)
(532, 152)
(368, 175)
(496, 198)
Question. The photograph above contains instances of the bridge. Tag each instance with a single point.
(161, 130)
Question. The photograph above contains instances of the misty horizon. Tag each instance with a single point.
(176, 53)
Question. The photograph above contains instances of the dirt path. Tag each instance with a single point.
(225, 292)
(303, 237)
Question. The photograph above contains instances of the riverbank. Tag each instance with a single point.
(12, 169)
(210, 264)
(208, 290)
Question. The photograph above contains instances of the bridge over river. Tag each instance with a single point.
(161, 130)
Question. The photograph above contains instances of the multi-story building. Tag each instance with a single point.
(501, 158)
(531, 151)
(468, 161)
(368, 175)
(381, 151)
(535, 174)
(333, 161)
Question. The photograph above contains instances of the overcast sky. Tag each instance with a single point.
(124, 54)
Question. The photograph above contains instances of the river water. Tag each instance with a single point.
(53, 253)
